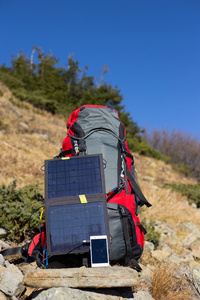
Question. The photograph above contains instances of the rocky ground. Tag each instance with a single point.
(165, 272)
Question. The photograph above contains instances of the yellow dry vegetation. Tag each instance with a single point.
(29, 136)
(167, 285)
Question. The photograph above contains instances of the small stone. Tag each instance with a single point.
(149, 178)
(146, 274)
(190, 239)
(188, 227)
(160, 255)
(142, 295)
(44, 136)
(7, 263)
(174, 258)
(3, 245)
(165, 247)
(194, 265)
(196, 254)
(195, 245)
(11, 280)
(2, 260)
(3, 232)
(187, 258)
(2, 296)
(24, 125)
(196, 275)
(148, 246)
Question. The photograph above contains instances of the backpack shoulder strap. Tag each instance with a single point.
(136, 188)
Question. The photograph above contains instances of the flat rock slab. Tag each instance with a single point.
(108, 277)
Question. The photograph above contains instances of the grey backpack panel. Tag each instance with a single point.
(104, 118)
(117, 246)
(103, 142)
(101, 132)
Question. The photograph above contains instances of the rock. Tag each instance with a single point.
(196, 275)
(2, 296)
(188, 227)
(165, 247)
(163, 228)
(3, 245)
(174, 258)
(194, 265)
(148, 246)
(190, 239)
(195, 245)
(2, 260)
(188, 258)
(11, 280)
(17, 112)
(149, 178)
(44, 136)
(142, 295)
(3, 232)
(62, 293)
(23, 125)
(154, 187)
(196, 254)
(82, 277)
(146, 274)
(7, 263)
(160, 255)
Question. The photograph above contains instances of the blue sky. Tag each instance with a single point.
(151, 48)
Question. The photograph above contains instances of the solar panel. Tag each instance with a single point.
(74, 176)
(70, 225)
(75, 203)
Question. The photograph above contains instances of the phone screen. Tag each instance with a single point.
(99, 252)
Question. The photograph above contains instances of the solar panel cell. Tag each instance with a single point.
(73, 177)
(69, 225)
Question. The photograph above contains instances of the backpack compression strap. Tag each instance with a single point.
(63, 153)
(17, 250)
(136, 188)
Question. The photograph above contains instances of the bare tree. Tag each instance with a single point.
(182, 147)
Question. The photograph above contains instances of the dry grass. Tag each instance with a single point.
(26, 140)
(23, 150)
(167, 285)
(170, 207)
(156, 172)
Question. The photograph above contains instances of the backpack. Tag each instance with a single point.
(94, 129)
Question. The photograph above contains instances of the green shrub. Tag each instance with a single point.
(184, 169)
(10, 80)
(1, 93)
(151, 235)
(19, 103)
(191, 191)
(37, 99)
(19, 209)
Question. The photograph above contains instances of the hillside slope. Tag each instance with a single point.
(29, 136)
